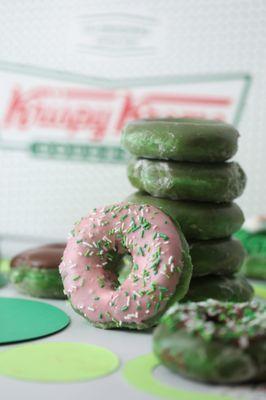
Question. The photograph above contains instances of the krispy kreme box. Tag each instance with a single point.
(70, 83)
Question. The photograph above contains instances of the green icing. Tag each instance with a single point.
(254, 243)
(218, 257)
(255, 246)
(181, 139)
(224, 288)
(218, 183)
(197, 220)
(38, 282)
(209, 257)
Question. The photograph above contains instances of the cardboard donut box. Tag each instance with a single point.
(64, 102)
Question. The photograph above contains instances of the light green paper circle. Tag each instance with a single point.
(57, 362)
(260, 290)
(139, 373)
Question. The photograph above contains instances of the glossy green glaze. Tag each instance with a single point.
(218, 183)
(181, 140)
(202, 221)
(217, 257)
(223, 288)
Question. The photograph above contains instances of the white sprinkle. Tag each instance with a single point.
(243, 342)
(115, 297)
(80, 253)
(170, 260)
(128, 301)
(136, 293)
(90, 308)
(129, 316)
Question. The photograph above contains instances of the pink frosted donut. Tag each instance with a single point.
(160, 274)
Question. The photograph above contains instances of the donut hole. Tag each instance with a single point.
(120, 265)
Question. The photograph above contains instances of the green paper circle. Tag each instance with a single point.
(57, 362)
(22, 320)
(139, 373)
(260, 290)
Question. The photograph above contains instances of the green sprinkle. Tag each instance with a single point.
(100, 315)
(101, 282)
(163, 236)
(87, 252)
(135, 278)
(79, 241)
(148, 305)
(134, 296)
(154, 236)
(124, 308)
(163, 289)
(157, 306)
(76, 278)
(135, 267)
(87, 267)
(96, 298)
(141, 251)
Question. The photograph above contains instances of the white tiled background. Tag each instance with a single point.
(41, 199)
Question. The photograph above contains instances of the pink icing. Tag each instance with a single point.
(154, 243)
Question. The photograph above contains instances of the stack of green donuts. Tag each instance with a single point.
(181, 166)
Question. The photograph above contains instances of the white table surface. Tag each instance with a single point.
(125, 344)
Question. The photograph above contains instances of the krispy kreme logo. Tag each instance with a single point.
(41, 110)
(98, 111)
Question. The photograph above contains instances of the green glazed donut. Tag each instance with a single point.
(181, 139)
(35, 272)
(209, 257)
(255, 245)
(218, 183)
(216, 257)
(201, 221)
(223, 288)
(3, 280)
(213, 341)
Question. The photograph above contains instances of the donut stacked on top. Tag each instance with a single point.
(181, 166)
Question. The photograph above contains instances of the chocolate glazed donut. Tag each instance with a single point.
(35, 271)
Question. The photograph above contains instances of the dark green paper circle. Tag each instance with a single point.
(22, 320)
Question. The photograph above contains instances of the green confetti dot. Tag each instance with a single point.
(57, 362)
